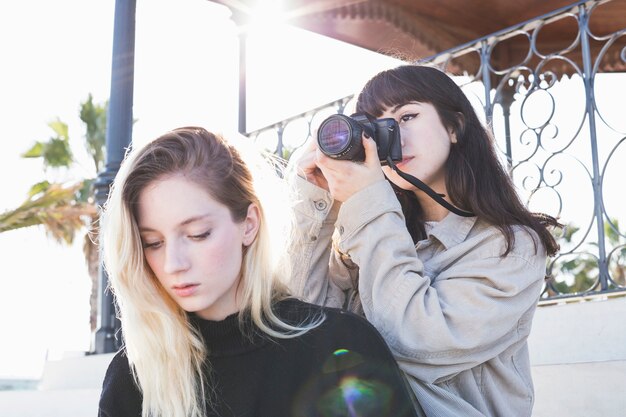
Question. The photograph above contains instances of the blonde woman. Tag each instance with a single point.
(207, 325)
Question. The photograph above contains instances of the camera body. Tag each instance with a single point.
(339, 137)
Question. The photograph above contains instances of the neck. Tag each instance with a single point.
(432, 210)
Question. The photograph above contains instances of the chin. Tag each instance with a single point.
(400, 182)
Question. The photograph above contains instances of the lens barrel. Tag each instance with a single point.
(339, 137)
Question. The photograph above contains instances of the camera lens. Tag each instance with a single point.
(334, 135)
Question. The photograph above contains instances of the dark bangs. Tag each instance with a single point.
(390, 88)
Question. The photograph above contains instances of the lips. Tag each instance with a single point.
(185, 290)
(404, 161)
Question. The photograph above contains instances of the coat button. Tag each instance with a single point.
(320, 205)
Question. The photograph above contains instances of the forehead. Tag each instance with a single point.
(173, 200)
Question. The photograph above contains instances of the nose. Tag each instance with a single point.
(403, 134)
(176, 259)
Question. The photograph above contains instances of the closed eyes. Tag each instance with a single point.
(159, 243)
(201, 236)
(151, 245)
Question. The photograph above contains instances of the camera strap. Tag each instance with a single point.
(439, 198)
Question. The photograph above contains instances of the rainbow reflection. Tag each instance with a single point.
(349, 385)
(340, 352)
(355, 391)
(356, 397)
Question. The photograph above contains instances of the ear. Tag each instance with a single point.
(458, 129)
(251, 224)
(452, 135)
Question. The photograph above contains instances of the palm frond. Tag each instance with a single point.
(55, 207)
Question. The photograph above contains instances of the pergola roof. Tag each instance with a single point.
(418, 29)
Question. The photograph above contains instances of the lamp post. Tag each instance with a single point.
(242, 83)
(118, 138)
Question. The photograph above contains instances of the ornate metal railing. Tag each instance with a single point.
(559, 133)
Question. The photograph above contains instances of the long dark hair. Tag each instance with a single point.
(475, 179)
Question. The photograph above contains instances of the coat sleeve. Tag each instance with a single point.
(438, 327)
(314, 267)
(120, 395)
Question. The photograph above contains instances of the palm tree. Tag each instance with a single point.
(66, 209)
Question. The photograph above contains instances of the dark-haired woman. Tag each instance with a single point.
(453, 296)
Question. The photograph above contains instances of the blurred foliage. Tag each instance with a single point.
(66, 209)
(95, 118)
(579, 272)
(56, 151)
(55, 207)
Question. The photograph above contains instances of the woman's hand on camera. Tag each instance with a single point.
(306, 164)
(345, 178)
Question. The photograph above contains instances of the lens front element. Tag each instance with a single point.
(334, 135)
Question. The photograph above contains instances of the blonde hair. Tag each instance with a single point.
(165, 351)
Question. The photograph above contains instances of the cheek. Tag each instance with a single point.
(225, 251)
(435, 146)
(219, 254)
(152, 259)
(442, 150)
(154, 264)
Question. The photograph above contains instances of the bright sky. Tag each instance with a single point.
(55, 53)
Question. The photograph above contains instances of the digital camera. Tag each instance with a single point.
(339, 137)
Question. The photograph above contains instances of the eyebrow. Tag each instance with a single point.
(183, 223)
(399, 106)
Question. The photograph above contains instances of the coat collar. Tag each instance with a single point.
(453, 229)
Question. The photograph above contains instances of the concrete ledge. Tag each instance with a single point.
(69, 387)
(75, 373)
(580, 332)
(580, 390)
(53, 403)
(578, 357)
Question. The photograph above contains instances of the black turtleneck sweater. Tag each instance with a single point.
(340, 368)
